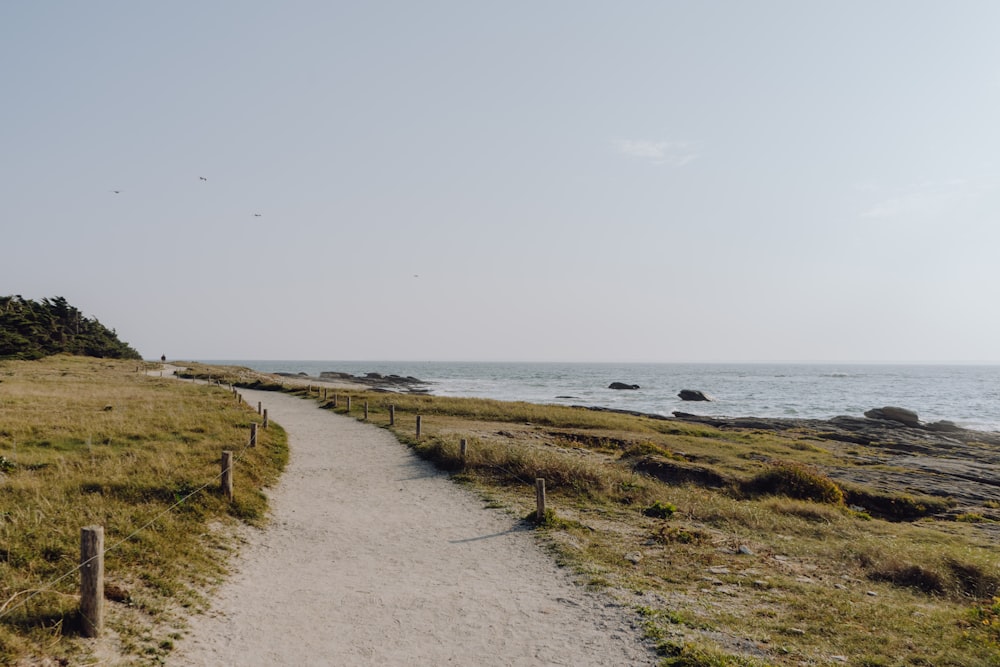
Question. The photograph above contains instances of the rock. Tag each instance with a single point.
(693, 395)
(622, 385)
(634, 557)
(901, 415)
(943, 426)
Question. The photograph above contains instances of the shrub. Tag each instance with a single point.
(795, 480)
(660, 510)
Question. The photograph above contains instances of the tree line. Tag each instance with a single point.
(32, 330)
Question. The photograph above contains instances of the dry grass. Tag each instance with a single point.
(762, 563)
(85, 442)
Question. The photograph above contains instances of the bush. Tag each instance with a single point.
(795, 480)
(660, 510)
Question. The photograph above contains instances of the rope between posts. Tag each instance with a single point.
(4, 611)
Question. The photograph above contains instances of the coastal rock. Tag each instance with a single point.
(693, 395)
(622, 385)
(901, 415)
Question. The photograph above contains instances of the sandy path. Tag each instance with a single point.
(374, 558)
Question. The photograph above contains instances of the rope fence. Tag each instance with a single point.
(93, 549)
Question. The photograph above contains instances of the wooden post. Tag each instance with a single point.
(540, 499)
(253, 434)
(265, 418)
(392, 415)
(227, 474)
(324, 393)
(366, 410)
(92, 580)
(334, 401)
(259, 407)
(463, 447)
(348, 404)
(418, 426)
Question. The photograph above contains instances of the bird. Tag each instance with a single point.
(256, 215)
(202, 178)
(116, 191)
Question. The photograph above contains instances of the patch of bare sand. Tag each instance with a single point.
(374, 558)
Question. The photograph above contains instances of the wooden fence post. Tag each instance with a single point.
(366, 410)
(324, 393)
(418, 425)
(92, 580)
(463, 447)
(334, 401)
(259, 407)
(392, 415)
(540, 499)
(227, 474)
(348, 404)
(253, 434)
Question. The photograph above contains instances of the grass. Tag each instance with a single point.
(735, 548)
(96, 442)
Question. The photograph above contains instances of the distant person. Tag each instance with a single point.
(163, 358)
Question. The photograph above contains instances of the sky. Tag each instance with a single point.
(569, 180)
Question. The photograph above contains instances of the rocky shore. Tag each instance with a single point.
(372, 381)
(891, 450)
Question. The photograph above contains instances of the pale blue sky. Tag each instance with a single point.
(536, 181)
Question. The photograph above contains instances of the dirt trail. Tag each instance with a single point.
(374, 558)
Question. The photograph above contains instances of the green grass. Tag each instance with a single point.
(97, 442)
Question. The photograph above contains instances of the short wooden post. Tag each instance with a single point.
(366, 410)
(324, 393)
(259, 407)
(253, 434)
(463, 447)
(92, 580)
(392, 415)
(227, 474)
(418, 425)
(540, 499)
(265, 418)
(335, 401)
(348, 403)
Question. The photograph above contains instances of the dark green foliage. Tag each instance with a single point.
(32, 330)
(660, 510)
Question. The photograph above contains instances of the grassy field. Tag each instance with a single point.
(95, 442)
(733, 547)
(745, 555)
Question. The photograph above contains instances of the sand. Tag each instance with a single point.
(372, 557)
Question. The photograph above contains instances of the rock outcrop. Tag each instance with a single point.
(622, 385)
(889, 413)
(693, 395)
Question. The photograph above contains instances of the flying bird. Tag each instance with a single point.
(116, 191)
(202, 178)
(256, 215)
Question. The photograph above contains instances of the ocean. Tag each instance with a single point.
(968, 395)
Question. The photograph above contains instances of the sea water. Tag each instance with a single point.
(968, 395)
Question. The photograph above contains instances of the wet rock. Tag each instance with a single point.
(693, 395)
(622, 385)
